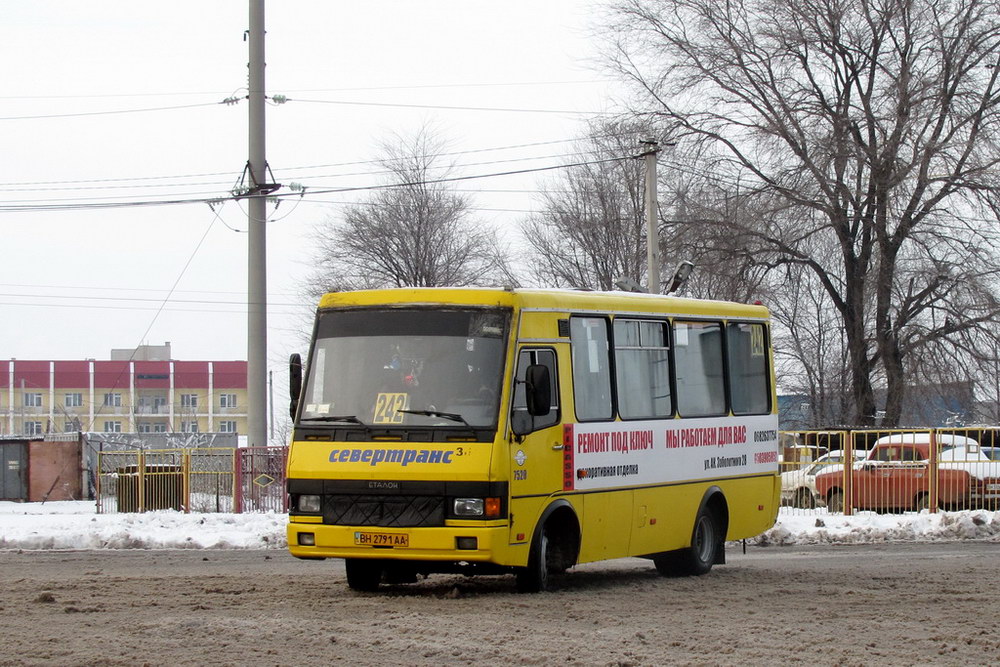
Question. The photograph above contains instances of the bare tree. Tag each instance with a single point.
(413, 231)
(591, 229)
(729, 264)
(810, 348)
(871, 125)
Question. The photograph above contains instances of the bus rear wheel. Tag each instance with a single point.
(706, 542)
(363, 574)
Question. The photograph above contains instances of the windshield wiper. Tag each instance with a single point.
(342, 418)
(451, 416)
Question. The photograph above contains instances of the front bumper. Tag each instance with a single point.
(438, 543)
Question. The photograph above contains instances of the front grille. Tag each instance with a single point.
(397, 511)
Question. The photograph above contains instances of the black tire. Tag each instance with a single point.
(804, 499)
(667, 564)
(363, 574)
(922, 502)
(535, 577)
(835, 501)
(707, 539)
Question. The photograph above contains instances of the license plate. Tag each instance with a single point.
(993, 487)
(382, 539)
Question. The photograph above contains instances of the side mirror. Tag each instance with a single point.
(538, 390)
(294, 382)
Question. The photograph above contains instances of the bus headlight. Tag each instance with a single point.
(468, 506)
(309, 503)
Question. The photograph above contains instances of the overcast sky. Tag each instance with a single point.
(121, 102)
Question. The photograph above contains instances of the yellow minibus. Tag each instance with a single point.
(524, 431)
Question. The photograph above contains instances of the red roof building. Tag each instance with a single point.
(141, 392)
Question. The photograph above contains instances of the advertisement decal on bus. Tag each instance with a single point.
(610, 455)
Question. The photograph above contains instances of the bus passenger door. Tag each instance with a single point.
(536, 457)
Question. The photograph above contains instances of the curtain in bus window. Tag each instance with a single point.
(642, 368)
(591, 367)
(748, 376)
(701, 391)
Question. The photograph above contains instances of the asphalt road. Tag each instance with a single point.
(887, 604)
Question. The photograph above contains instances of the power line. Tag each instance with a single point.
(112, 187)
(564, 112)
(290, 176)
(234, 174)
(230, 100)
(27, 208)
(453, 179)
(311, 90)
(435, 155)
(288, 169)
(131, 298)
(126, 289)
(477, 84)
(462, 165)
(89, 306)
(479, 209)
(188, 197)
(110, 113)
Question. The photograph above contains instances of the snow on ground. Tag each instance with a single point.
(76, 525)
(798, 527)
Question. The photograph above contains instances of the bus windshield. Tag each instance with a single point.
(403, 367)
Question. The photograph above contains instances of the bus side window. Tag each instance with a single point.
(701, 389)
(591, 368)
(642, 367)
(519, 414)
(749, 379)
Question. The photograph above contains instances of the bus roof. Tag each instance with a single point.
(542, 299)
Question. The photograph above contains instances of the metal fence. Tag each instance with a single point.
(205, 479)
(890, 471)
(260, 485)
(828, 471)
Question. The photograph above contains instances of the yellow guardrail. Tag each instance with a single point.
(179, 479)
(890, 470)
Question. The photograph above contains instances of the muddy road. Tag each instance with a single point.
(892, 604)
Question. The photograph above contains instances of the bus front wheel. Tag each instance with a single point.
(535, 577)
(706, 541)
(363, 574)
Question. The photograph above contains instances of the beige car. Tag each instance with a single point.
(798, 487)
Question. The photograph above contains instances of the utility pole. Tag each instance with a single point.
(257, 237)
(651, 148)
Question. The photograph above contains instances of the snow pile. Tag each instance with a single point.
(76, 525)
(869, 527)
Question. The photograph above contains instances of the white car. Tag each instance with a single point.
(798, 487)
(983, 464)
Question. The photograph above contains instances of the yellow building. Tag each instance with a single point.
(136, 391)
